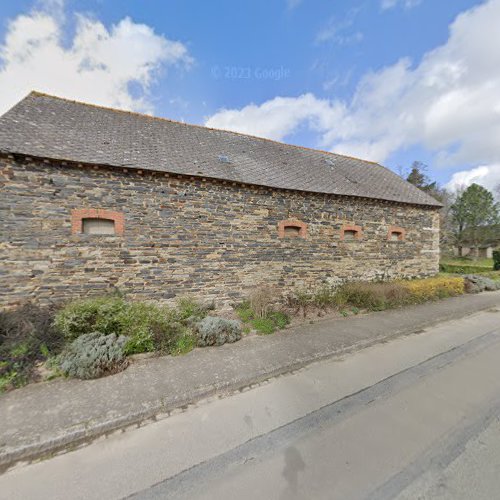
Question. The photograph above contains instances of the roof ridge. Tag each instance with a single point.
(160, 118)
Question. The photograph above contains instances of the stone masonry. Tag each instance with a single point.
(214, 240)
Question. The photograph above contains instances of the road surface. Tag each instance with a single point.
(418, 417)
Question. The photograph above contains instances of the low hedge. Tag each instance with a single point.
(496, 260)
(462, 268)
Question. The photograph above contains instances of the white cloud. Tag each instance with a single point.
(407, 4)
(279, 117)
(486, 175)
(449, 103)
(98, 65)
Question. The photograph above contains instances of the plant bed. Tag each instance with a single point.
(36, 344)
(94, 337)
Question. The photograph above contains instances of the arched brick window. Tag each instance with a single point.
(97, 221)
(350, 233)
(292, 229)
(396, 233)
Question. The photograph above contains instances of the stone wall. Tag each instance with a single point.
(194, 236)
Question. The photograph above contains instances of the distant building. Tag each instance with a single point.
(95, 199)
(489, 241)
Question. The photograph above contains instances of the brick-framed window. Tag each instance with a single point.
(87, 220)
(292, 229)
(351, 233)
(396, 233)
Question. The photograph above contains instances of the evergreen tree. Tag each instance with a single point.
(419, 178)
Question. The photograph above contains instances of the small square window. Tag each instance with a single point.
(292, 232)
(292, 229)
(98, 226)
(396, 234)
(350, 234)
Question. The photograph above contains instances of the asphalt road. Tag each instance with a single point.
(417, 417)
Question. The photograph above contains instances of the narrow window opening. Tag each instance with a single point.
(292, 232)
(292, 229)
(98, 226)
(350, 234)
(396, 234)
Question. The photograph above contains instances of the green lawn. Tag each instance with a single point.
(465, 261)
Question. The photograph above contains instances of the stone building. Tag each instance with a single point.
(95, 199)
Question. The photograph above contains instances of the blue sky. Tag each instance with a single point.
(388, 80)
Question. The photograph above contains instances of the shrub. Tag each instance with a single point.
(496, 260)
(8, 380)
(164, 338)
(190, 309)
(434, 288)
(217, 331)
(324, 297)
(148, 326)
(93, 355)
(385, 295)
(299, 300)
(85, 316)
(279, 318)
(26, 338)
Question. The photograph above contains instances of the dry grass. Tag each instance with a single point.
(376, 296)
(261, 300)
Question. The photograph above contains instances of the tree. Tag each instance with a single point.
(418, 177)
(473, 208)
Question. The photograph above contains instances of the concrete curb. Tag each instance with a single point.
(85, 434)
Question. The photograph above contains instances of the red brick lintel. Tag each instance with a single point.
(398, 230)
(292, 223)
(358, 230)
(78, 214)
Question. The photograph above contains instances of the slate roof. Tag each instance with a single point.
(50, 127)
